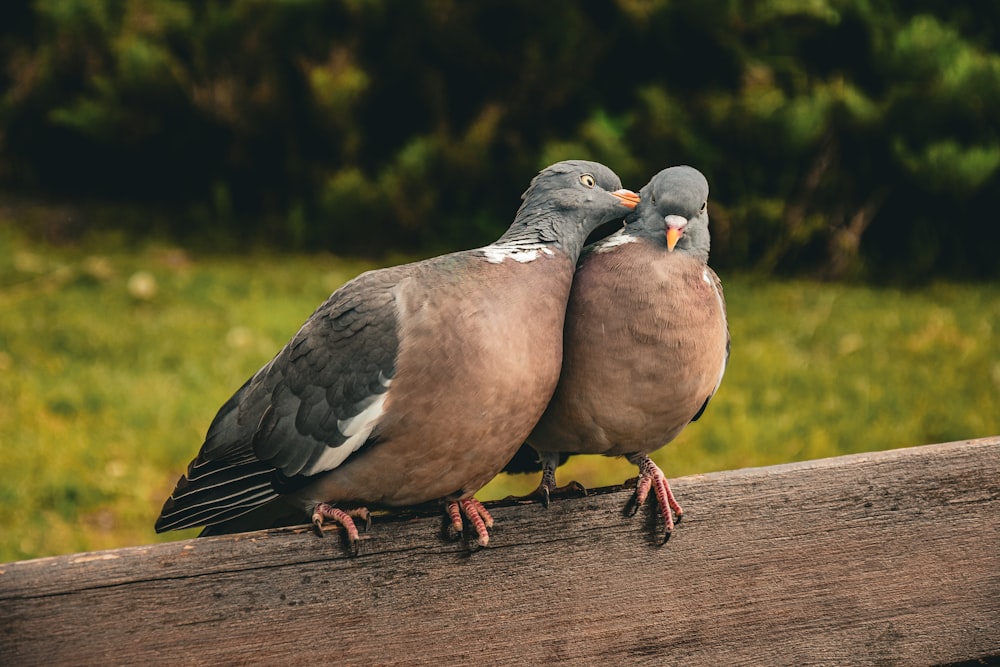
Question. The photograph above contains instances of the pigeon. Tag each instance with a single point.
(409, 384)
(646, 342)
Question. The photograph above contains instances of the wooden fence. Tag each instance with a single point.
(888, 558)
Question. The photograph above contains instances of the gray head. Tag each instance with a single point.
(568, 200)
(673, 210)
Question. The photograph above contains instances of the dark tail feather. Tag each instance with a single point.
(274, 514)
(213, 492)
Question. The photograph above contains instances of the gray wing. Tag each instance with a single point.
(319, 399)
(305, 412)
(717, 287)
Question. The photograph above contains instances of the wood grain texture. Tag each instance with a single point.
(888, 558)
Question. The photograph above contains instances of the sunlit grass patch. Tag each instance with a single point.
(107, 388)
(108, 381)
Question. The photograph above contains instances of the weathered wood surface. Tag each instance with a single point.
(889, 558)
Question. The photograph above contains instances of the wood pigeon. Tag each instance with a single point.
(409, 384)
(646, 340)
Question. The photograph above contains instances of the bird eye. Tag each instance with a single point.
(704, 205)
(588, 180)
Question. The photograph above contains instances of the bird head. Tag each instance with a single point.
(674, 207)
(566, 201)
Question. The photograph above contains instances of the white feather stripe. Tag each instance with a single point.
(523, 253)
(225, 478)
(708, 281)
(383, 380)
(203, 513)
(357, 429)
(615, 240)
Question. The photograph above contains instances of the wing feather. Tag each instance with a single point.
(304, 412)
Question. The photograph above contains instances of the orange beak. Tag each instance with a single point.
(627, 197)
(673, 235)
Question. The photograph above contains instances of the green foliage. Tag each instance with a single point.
(952, 83)
(833, 131)
(114, 359)
(947, 166)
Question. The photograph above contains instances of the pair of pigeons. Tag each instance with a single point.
(421, 382)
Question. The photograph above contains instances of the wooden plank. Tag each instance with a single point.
(889, 558)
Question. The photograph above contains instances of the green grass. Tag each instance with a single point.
(106, 390)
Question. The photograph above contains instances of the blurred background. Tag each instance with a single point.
(182, 182)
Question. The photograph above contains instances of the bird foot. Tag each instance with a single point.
(547, 488)
(569, 490)
(346, 519)
(650, 476)
(477, 515)
(543, 494)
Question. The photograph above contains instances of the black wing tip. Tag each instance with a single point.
(218, 493)
(524, 461)
(701, 410)
(528, 460)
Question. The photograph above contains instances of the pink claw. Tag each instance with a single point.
(345, 519)
(650, 475)
(477, 515)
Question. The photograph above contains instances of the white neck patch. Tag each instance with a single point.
(615, 240)
(523, 253)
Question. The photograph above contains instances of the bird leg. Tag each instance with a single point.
(547, 488)
(548, 483)
(477, 515)
(345, 519)
(650, 475)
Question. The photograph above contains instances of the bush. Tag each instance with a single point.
(842, 138)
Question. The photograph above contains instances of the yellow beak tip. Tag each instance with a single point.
(673, 235)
